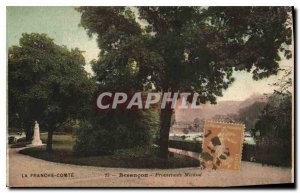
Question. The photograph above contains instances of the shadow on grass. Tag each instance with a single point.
(62, 155)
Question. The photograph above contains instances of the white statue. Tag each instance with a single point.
(36, 135)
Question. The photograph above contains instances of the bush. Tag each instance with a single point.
(274, 154)
(249, 152)
(115, 130)
(186, 145)
(92, 140)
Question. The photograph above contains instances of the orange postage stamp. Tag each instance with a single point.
(222, 145)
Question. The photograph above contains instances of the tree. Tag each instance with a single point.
(275, 128)
(47, 83)
(250, 114)
(187, 48)
(274, 124)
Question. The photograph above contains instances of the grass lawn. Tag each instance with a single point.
(134, 158)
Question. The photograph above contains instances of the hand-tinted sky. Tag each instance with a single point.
(61, 24)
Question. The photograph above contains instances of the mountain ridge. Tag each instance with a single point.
(208, 111)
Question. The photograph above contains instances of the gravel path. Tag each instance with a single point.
(26, 171)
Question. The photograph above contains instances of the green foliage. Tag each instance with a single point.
(70, 127)
(104, 133)
(186, 48)
(46, 82)
(92, 140)
(275, 127)
(192, 146)
(180, 47)
(250, 114)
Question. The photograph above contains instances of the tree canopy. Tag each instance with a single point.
(189, 48)
(186, 48)
(46, 82)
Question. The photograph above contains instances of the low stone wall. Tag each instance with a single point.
(186, 153)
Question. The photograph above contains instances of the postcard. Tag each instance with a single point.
(150, 97)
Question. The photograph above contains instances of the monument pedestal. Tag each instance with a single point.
(36, 136)
(36, 142)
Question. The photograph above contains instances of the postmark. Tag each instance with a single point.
(222, 145)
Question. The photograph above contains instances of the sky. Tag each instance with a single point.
(61, 24)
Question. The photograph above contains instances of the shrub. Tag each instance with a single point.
(110, 131)
(92, 140)
(186, 145)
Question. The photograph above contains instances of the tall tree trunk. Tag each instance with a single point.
(28, 135)
(49, 140)
(28, 130)
(165, 123)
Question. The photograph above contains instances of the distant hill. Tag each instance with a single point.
(208, 111)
